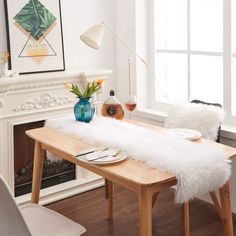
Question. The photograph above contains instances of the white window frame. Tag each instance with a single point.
(226, 54)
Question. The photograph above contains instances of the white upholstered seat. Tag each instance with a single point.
(202, 117)
(32, 219)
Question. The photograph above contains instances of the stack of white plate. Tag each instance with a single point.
(106, 156)
(189, 134)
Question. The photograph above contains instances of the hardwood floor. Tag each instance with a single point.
(90, 210)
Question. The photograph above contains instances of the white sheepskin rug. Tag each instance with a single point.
(199, 168)
(201, 117)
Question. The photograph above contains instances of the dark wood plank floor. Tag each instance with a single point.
(90, 210)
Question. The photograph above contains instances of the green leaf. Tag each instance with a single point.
(35, 18)
(75, 89)
(90, 89)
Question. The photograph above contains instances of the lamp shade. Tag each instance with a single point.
(93, 37)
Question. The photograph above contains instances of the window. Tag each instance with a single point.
(192, 54)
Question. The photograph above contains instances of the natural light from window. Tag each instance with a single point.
(189, 50)
(195, 52)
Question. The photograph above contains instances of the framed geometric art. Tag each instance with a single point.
(34, 33)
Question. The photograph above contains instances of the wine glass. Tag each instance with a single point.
(131, 104)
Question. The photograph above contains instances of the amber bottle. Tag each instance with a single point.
(112, 107)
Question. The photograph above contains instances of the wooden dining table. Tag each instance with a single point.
(145, 181)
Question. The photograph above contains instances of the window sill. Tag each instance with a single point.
(151, 114)
(227, 131)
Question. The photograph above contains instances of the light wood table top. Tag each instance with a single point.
(67, 147)
(132, 170)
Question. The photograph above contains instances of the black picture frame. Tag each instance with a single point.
(34, 36)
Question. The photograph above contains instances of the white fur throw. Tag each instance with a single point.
(201, 117)
(199, 168)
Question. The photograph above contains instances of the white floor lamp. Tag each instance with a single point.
(93, 38)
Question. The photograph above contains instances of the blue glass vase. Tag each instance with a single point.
(84, 110)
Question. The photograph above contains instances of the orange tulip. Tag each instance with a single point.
(100, 82)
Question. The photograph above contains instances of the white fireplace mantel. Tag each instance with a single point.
(33, 83)
(35, 97)
(40, 80)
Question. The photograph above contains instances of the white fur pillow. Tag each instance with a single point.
(201, 117)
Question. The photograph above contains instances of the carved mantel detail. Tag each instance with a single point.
(23, 87)
(44, 101)
(39, 82)
(1, 103)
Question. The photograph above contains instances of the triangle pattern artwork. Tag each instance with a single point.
(36, 22)
(37, 50)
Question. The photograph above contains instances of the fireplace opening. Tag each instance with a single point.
(53, 172)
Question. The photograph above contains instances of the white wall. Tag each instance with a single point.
(132, 27)
(77, 17)
(125, 27)
(3, 40)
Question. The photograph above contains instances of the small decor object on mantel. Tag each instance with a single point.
(4, 58)
(84, 109)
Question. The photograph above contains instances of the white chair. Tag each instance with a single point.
(198, 115)
(32, 220)
(201, 116)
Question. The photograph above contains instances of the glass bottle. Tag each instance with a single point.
(112, 107)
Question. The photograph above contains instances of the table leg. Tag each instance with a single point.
(226, 210)
(186, 219)
(145, 211)
(109, 188)
(37, 172)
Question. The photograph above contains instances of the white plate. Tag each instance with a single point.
(109, 152)
(189, 134)
(107, 160)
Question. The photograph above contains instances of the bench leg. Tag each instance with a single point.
(226, 210)
(216, 204)
(145, 211)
